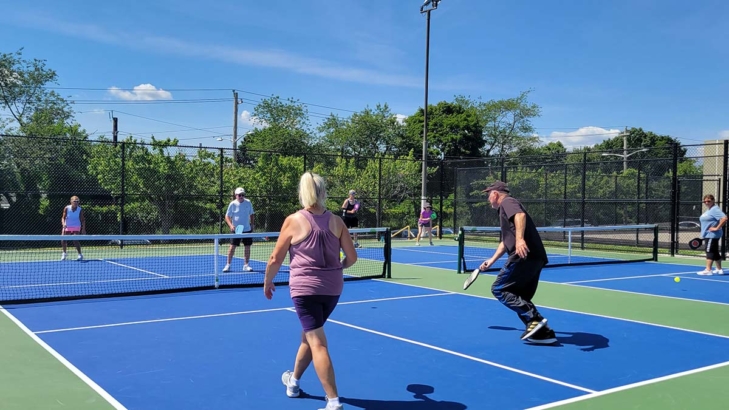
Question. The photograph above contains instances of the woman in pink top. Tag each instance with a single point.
(425, 224)
(313, 238)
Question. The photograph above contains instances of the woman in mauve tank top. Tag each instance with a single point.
(313, 238)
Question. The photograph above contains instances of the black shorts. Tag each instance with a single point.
(314, 310)
(712, 249)
(237, 241)
(351, 221)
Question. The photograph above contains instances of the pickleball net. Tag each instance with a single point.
(593, 245)
(31, 268)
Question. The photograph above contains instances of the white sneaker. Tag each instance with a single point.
(247, 268)
(226, 268)
(704, 272)
(291, 390)
(718, 271)
(63, 256)
(80, 257)
(339, 406)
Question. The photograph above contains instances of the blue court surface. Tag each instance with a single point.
(393, 347)
(649, 278)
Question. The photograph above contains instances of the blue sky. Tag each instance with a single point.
(594, 66)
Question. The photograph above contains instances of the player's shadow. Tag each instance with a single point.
(421, 402)
(589, 342)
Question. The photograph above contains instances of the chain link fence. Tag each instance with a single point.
(136, 188)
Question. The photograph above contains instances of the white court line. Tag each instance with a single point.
(137, 269)
(645, 294)
(628, 387)
(627, 277)
(708, 280)
(172, 319)
(465, 356)
(424, 251)
(100, 391)
(89, 282)
(573, 311)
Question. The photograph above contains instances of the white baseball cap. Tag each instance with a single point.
(240, 190)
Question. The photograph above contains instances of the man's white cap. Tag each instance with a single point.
(240, 190)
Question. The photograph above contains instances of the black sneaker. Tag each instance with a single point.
(544, 337)
(532, 328)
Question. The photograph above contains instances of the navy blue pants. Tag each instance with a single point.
(516, 285)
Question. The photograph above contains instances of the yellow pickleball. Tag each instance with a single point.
(677, 279)
(341, 254)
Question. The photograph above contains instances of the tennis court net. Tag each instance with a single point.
(591, 245)
(31, 268)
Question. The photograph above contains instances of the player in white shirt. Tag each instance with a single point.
(73, 222)
(240, 212)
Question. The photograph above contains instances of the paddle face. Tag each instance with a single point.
(239, 229)
(356, 206)
(433, 216)
(695, 243)
(471, 278)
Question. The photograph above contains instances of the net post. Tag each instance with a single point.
(388, 254)
(216, 242)
(655, 243)
(461, 246)
(569, 246)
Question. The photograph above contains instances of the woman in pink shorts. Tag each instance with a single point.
(74, 223)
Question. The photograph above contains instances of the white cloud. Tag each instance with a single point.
(400, 118)
(724, 135)
(585, 136)
(247, 119)
(142, 92)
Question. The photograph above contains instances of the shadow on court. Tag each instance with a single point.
(421, 402)
(588, 342)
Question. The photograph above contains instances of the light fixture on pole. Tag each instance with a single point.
(426, 8)
(625, 154)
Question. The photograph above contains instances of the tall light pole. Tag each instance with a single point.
(427, 7)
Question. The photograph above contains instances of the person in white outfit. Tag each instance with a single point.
(240, 212)
(73, 222)
(712, 222)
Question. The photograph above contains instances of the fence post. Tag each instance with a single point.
(674, 199)
(725, 194)
(440, 210)
(122, 200)
(379, 192)
(584, 193)
(564, 197)
(455, 199)
(637, 202)
(220, 193)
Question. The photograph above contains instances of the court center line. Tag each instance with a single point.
(464, 356)
(708, 280)
(245, 312)
(137, 269)
(573, 311)
(627, 277)
(81, 375)
(628, 386)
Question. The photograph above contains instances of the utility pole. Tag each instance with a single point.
(115, 128)
(235, 125)
(433, 4)
(625, 149)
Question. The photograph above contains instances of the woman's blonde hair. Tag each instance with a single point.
(312, 190)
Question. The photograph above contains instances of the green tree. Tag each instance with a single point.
(366, 133)
(283, 127)
(453, 131)
(159, 180)
(506, 124)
